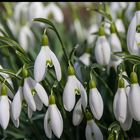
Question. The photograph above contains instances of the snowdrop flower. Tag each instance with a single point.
(120, 103)
(95, 101)
(73, 86)
(134, 97)
(36, 10)
(21, 12)
(119, 25)
(16, 104)
(53, 10)
(15, 122)
(53, 121)
(77, 116)
(114, 41)
(102, 49)
(128, 122)
(133, 34)
(6, 76)
(85, 58)
(4, 108)
(26, 38)
(46, 56)
(92, 37)
(115, 45)
(92, 130)
(31, 89)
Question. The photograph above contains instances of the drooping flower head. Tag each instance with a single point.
(92, 132)
(102, 48)
(44, 59)
(95, 101)
(4, 108)
(73, 86)
(53, 121)
(120, 102)
(133, 34)
(134, 97)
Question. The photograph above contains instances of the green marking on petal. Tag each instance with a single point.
(33, 91)
(77, 91)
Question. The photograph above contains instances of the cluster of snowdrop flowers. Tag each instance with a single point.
(21, 27)
(126, 101)
(33, 93)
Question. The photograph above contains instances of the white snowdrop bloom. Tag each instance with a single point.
(16, 104)
(77, 115)
(85, 58)
(128, 122)
(115, 43)
(107, 28)
(53, 10)
(92, 37)
(46, 57)
(102, 49)
(30, 88)
(73, 86)
(36, 10)
(92, 131)
(4, 108)
(134, 97)
(21, 12)
(129, 11)
(7, 77)
(26, 38)
(120, 103)
(15, 122)
(53, 121)
(95, 101)
(133, 34)
(119, 25)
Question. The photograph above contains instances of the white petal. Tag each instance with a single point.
(131, 37)
(96, 103)
(4, 111)
(47, 126)
(77, 114)
(28, 95)
(85, 58)
(30, 112)
(128, 122)
(69, 94)
(56, 64)
(120, 26)
(41, 93)
(120, 105)
(134, 101)
(102, 51)
(17, 103)
(83, 96)
(38, 102)
(93, 132)
(115, 43)
(16, 122)
(40, 65)
(56, 120)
